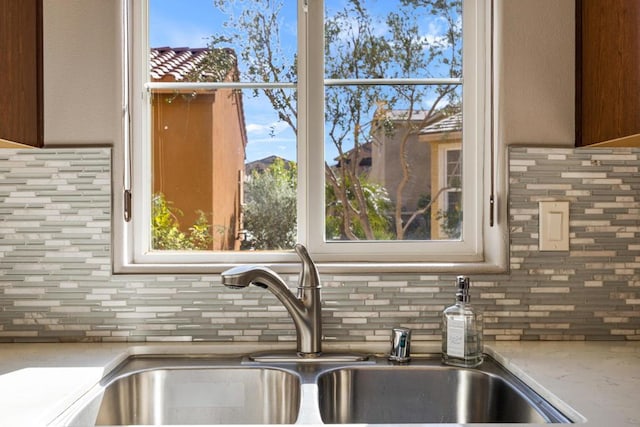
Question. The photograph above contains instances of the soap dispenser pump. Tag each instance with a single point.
(462, 330)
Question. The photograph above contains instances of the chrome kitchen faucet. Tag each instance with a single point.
(304, 309)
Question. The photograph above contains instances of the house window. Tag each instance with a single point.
(261, 124)
(450, 217)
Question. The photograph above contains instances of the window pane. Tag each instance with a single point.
(393, 39)
(382, 142)
(224, 172)
(383, 163)
(261, 33)
(454, 172)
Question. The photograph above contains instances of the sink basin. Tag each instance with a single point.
(201, 396)
(429, 394)
(197, 390)
(150, 393)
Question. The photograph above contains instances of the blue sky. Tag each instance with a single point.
(173, 24)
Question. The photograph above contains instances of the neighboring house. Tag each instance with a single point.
(445, 139)
(387, 148)
(199, 141)
(362, 156)
(432, 148)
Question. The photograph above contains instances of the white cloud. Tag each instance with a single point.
(265, 147)
(273, 128)
(270, 138)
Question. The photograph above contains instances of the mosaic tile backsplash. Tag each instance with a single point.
(56, 282)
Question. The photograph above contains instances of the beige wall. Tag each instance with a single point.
(81, 72)
(386, 152)
(536, 83)
(536, 71)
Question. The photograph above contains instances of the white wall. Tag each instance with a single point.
(81, 72)
(82, 76)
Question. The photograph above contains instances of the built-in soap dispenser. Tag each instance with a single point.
(462, 330)
(400, 345)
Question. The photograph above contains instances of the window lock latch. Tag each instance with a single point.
(127, 205)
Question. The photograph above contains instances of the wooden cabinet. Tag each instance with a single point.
(21, 75)
(608, 72)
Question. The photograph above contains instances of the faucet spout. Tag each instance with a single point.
(304, 309)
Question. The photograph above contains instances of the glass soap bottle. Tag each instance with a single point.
(461, 330)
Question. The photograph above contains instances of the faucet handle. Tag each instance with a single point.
(309, 278)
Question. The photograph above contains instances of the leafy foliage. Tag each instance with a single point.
(378, 206)
(421, 226)
(165, 228)
(220, 64)
(255, 27)
(270, 207)
(451, 222)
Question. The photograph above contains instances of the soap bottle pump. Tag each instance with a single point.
(461, 330)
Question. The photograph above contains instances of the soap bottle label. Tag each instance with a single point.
(455, 336)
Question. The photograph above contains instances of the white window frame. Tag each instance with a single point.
(483, 248)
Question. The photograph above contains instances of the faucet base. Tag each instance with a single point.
(292, 357)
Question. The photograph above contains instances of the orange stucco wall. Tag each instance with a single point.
(198, 159)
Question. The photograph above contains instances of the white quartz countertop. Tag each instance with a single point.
(595, 383)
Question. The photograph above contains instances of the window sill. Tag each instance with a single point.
(325, 268)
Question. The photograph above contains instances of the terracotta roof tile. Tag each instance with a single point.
(174, 64)
(403, 115)
(448, 124)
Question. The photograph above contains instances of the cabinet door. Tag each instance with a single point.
(21, 93)
(607, 72)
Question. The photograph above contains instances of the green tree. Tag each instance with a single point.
(378, 208)
(270, 207)
(451, 222)
(421, 224)
(165, 228)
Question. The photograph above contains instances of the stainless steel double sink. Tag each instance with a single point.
(162, 390)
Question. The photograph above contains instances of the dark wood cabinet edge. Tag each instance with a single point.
(27, 117)
(578, 74)
(40, 73)
(632, 141)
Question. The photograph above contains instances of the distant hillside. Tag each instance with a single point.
(262, 164)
